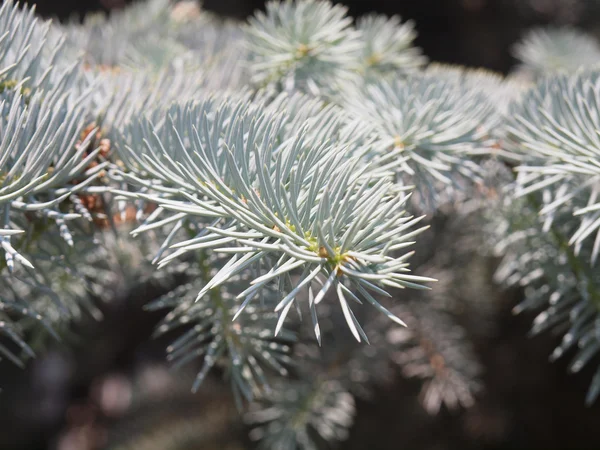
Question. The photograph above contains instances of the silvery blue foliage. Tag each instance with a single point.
(558, 285)
(40, 140)
(268, 198)
(298, 412)
(120, 96)
(387, 46)
(499, 90)
(296, 43)
(553, 130)
(550, 238)
(106, 41)
(23, 54)
(437, 124)
(247, 344)
(546, 50)
(311, 46)
(280, 169)
(46, 164)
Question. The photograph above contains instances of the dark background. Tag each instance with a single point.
(59, 401)
(470, 32)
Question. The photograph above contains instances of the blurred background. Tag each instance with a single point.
(472, 32)
(85, 393)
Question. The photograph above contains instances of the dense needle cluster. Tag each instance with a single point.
(276, 175)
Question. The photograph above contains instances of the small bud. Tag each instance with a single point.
(104, 147)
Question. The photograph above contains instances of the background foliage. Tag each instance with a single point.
(460, 367)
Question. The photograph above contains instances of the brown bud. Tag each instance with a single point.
(87, 130)
(104, 147)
